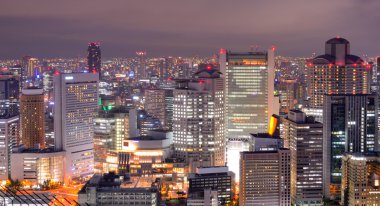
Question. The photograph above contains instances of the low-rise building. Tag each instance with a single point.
(37, 166)
(216, 178)
(207, 197)
(111, 189)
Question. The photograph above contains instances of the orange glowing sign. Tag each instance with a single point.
(272, 125)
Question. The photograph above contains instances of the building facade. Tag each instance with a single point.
(350, 125)
(249, 98)
(9, 135)
(37, 166)
(218, 179)
(159, 104)
(198, 120)
(304, 135)
(336, 72)
(9, 97)
(265, 178)
(32, 117)
(110, 189)
(360, 179)
(94, 58)
(76, 98)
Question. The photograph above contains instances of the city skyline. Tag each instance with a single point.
(61, 29)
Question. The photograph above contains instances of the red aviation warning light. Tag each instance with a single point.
(222, 51)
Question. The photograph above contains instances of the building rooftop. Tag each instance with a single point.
(146, 138)
(265, 135)
(337, 40)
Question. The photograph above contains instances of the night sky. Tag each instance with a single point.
(46, 28)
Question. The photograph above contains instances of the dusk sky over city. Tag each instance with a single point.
(189, 103)
(188, 28)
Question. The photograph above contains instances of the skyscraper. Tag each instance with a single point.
(9, 96)
(32, 117)
(249, 98)
(29, 65)
(76, 98)
(350, 125)
(94, 58)
(265, 178)
(141, 69)
(159, 104)
(9, 122)
(304, 135)
(9, 136)
(198, 120)
(336, 72)
(111, 128)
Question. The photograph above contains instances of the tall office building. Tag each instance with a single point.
(360, 179)
(9, 96)
(29, 65)
(249, 98)
(265, 178)
(94, 58)
(76, 98)
(159, 104)
(111, 128)
(141, 69)
(32, 117)
(335, 72)
(304, 135)
(9, 122)
(350, 125)
(198, 120)
(9, 136)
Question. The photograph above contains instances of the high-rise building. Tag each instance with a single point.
(9, 97)
(159, 104)
(304, 135)
(29, 65)
(9, 122)
(288, 94)
(360, 179)
(94, 58)
(350, 125)
(111, 128)
(32, 117)
(76, 98)
(214, 178)
(336, 72)
(249, 98)
(141, 69)
(265, 178)
(198, 120)
(9, 136)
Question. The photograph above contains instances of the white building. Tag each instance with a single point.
(76, 98)
(249, 99)
(198, 120)
(9, 132)
(37, 166)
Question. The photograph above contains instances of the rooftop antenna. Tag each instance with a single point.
(254, 48)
